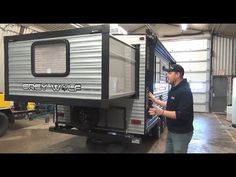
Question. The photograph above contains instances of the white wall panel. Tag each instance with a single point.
(194, 56)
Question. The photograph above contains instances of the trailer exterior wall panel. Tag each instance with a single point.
(83, 67)
(85, 62)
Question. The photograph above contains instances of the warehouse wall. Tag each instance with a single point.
(9, 30)
(224, 60)
(194, 55)
(234, 58)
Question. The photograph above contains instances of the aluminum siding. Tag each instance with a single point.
(85, 68)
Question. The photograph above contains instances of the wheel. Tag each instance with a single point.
(85, 118)
(91, 140)
(3, 123)
(156, 131)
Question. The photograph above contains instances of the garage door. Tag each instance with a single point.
(194, 56)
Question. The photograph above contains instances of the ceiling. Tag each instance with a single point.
(163, 30)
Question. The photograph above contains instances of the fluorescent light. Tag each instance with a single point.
(184, 26)
(76, 25)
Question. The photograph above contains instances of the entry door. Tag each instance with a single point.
(219, 94)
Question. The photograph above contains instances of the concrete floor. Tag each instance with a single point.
(213, 134)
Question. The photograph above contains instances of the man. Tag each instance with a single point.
(179, 111)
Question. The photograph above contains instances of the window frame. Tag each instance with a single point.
(58, 41)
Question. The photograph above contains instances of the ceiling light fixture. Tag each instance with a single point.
(77, 25)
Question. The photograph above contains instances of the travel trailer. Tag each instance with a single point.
(98, 81)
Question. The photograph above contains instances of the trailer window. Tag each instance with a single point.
(50, 58)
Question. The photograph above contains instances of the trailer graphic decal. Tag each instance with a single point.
(54, 87)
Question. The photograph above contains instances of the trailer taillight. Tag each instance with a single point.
(61, 114)
(136, 121)
(141, 38)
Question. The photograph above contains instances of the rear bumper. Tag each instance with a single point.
(103, 136)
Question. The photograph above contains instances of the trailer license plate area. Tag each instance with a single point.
(135, 141)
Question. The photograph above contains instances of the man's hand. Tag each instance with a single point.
(155, 100)
(156, 111)
(152, 97)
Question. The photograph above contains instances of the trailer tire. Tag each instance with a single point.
(85, 118)
(91, 140)
(3, 123)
